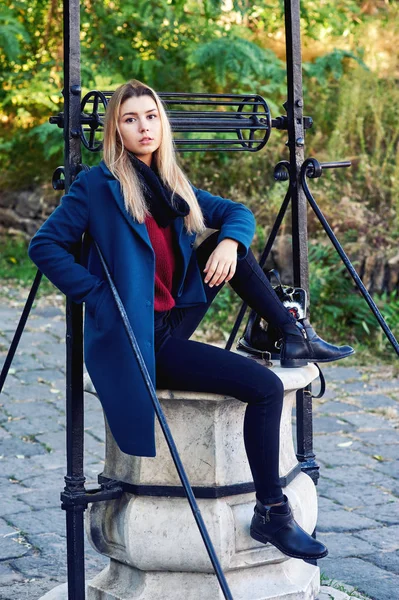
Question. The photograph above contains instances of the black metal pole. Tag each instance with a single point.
(304, 427)
(74, 479)
(296, 144)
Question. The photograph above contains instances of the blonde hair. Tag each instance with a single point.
(117, 160)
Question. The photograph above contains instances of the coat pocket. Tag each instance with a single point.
(105, 309)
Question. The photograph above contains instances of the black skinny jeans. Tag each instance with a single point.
(182, 364)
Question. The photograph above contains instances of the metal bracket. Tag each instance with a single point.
(109, 490)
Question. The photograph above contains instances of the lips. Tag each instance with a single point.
(146, 139)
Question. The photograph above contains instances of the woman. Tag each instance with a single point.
(144, 214)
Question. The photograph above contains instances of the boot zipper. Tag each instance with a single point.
(266, 517)
(302, 330)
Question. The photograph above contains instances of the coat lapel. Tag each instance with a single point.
(115, 188)
(185, 242)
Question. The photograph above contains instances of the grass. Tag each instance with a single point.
(17, 269)
(351, 591)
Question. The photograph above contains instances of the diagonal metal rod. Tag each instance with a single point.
(167, 433)
(345, 259)
(20, 329)
(263, 258)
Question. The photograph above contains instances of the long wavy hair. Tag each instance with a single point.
(117, 160)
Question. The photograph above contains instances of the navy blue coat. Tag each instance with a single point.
(95, 204)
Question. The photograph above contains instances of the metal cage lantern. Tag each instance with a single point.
(212, 122)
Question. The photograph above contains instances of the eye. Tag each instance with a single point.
(130, 119)
(152, 116)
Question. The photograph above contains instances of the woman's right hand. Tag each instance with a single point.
(221, 264)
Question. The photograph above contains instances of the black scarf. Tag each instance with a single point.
(157, 195)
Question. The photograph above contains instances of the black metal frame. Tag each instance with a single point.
(251, 130)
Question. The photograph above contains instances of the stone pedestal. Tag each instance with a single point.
(155, 549)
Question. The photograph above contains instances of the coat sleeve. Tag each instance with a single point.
(233, 219)
(50, 247)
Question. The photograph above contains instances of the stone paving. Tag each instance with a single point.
(356, 441)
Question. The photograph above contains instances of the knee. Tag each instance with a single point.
(277, 388)
(274, 389)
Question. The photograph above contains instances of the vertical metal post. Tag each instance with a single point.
(305, 453)
(296, 144)
(74, 480)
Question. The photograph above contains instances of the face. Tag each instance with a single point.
(140, 127)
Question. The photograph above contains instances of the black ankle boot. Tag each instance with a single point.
(301, 345)
(259, 340)
(276, 525)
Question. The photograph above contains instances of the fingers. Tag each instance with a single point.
(219, 272)
(221, 265)
(231, 272)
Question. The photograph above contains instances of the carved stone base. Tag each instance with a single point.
(158, 541)
(155, 549)
(288, 580)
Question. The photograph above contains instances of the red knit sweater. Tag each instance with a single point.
(161, 239)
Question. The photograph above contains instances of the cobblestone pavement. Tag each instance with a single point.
(356, 442)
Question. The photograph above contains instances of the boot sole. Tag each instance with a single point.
(293, 362)
(264, 540)
(302, 362)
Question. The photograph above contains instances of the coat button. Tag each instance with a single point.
(191, 244)
(148, 303)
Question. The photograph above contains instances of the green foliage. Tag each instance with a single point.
(48, 136)
(30, 84)
(16, 266)
(339, 310)
(367, 124)
(234, 62)
(320, 16)
(11, 32)
(172, 45)
(331, 66)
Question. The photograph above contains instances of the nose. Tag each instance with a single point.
(144, 126)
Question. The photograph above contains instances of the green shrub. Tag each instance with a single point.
(17, 269)
(338, 309)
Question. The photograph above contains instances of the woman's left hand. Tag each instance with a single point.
(221, 264)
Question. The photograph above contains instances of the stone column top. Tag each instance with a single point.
(293, 379)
